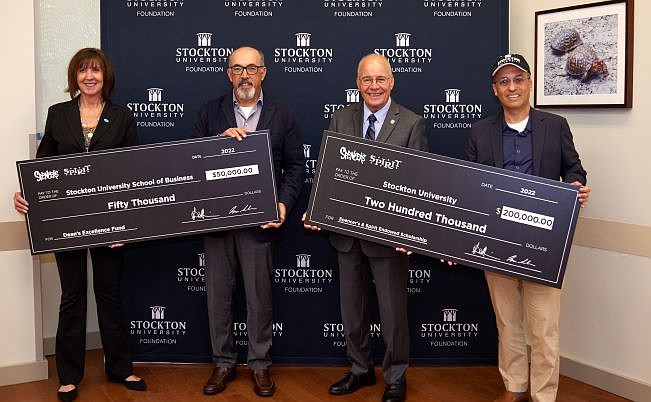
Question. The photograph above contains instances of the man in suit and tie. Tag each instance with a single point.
(361, 262)
(248, 251)
(525, 140)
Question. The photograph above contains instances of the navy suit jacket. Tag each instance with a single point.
(554, 155)
(401, 127)
(116, 128)
(217, 115)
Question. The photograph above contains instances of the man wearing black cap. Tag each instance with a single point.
(525, 140)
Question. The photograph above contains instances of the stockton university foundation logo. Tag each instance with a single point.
(452, 95)
(193, 278)
(303, 39)
(329, 109)
(352, 95)
(154, 112)
(334, 331)
(155, 8)
(403, 57)
(157, 328)
(453, 114)
(449, 314)
(157, 312)
(255, 8)
(203, 56)
(353, 8)
(419, 279)
(304, 278)
(241, 333)
(402, 39)
(303, 58)
(449, 333)
(310, 166)
(303, 260)
(458, 8)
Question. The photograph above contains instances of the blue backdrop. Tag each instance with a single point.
(171, 56)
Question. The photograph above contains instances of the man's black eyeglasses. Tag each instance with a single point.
(250, 69)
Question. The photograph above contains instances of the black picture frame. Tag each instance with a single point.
(584, 56)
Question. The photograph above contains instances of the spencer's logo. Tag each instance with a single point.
(46, 175)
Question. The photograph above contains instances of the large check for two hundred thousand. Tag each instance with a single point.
(148, 192)
(484, 217)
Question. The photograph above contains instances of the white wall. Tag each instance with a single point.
(606, 305)
(19, 302)
(62, 28)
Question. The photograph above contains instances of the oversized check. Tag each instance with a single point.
(148, 192)
(476, 215)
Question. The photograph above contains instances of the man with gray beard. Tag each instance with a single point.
(248, 251)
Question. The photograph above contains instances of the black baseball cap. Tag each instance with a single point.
(513, 59)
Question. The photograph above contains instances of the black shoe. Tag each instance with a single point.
(395, 392)
(352, 382)
(139, 385)
(264, 384)
(218, 380)
(67, 396)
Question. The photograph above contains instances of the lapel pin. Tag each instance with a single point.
(392, 121)
(106, 120)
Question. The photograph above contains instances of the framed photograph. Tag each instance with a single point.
(584, 56)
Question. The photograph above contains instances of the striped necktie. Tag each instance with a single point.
(370, 131)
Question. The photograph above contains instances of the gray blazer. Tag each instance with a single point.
(401, 127)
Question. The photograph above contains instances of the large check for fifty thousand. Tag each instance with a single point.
(476, 215)
(147, 192)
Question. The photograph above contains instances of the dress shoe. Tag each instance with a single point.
(67, 396)
(395, 392)
(352, 382)
(218, 380)
(139, 385)
(509, 396)
(264, 384)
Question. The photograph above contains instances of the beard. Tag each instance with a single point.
(244, 93)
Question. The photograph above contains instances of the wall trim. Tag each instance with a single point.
(26, 372)
(14, 236)
(613, 383)
(93, 341)
(621, 237)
